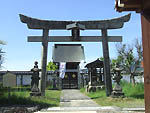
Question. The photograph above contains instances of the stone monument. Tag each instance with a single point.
(35, 80)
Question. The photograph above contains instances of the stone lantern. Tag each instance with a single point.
(117, 90)
(35, 80)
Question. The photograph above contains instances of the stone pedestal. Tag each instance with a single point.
(35, 94)
(92, 88)
(117, 91)
(35, 91)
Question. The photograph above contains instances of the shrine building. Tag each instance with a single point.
(72, 54)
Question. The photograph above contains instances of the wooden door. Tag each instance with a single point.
(70, 81)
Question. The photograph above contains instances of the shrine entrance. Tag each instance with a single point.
(75, 27)
(70, 81)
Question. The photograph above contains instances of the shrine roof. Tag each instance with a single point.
(95, 64)
(68, 53)
(132, 5)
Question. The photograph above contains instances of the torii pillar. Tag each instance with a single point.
(44, 61)
(108, 83)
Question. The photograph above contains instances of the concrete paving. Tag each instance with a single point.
(73, 98)
(72, 101)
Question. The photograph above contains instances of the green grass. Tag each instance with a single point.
(130, 90)
(51, 99)
(134, 96)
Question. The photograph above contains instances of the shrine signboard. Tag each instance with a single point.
(9, 80)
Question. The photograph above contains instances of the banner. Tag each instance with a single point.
(62, 69)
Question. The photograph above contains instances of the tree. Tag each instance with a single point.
(2, 42)
(51, 66)
(130, 62)
(101, 58)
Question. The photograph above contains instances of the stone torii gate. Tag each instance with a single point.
(75, 27)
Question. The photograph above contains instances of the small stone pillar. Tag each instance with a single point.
(35, 80)
(54, 83)
(117, 90)
(60, 83)
(84, 81)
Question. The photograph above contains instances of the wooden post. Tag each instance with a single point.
(9, 90)
(44, 61)
(108, 82)
(91, 76)
(146, 57)
(100, 75)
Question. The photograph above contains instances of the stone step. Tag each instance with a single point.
(133, 109)
(108, 109)
(68, 112)
(72, 109)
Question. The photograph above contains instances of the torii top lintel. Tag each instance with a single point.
(34, 23)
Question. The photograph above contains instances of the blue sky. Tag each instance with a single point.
(20, 54)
